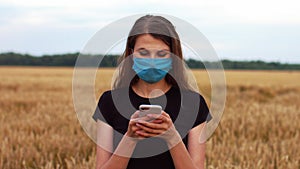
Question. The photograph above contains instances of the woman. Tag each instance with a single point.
(151, 71)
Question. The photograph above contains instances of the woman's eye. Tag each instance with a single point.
(162, 53)
(143, 53)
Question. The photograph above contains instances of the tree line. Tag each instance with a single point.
(69, 59)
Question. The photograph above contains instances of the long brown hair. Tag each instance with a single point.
(159, 28)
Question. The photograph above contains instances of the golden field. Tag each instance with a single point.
(39, 127)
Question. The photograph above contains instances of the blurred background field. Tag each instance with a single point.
(39, 127)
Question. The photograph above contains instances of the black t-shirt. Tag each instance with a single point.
(187, 109)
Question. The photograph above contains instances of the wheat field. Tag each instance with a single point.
(39, 127)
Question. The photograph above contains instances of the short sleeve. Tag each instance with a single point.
(203, 113)
(104, 109)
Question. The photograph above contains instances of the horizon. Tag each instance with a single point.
(115, 54)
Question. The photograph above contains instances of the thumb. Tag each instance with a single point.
(135, 114)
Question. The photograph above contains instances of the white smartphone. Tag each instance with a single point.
(149, 109)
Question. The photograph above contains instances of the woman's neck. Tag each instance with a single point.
(148, 90)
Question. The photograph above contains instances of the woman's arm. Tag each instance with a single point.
(104, 143)
(120, 158)
(194, 157)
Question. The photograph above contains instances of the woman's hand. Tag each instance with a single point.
(162, 127)
(132, 127)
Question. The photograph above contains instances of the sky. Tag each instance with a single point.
(266, 30)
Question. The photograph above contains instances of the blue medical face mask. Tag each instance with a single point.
(152, 70)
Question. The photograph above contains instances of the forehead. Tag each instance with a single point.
(149, 42)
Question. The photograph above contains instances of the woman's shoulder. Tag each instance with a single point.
(105, 95)
(109, 95)
(106, 110)
(189, 93)
(203, 109)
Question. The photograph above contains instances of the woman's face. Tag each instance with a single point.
(146, 46)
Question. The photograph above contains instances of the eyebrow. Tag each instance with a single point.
(148, 49)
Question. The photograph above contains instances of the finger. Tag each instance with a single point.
(150, 115)
(133, 121)
(135, 114)
(151, 125)
(167, 117)
(145, 134)
(146, 118)
(135, 128)
(159, 117)
(141, 119)
(156, 121)
(149, 130)
(165, 114)
(162, 114)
